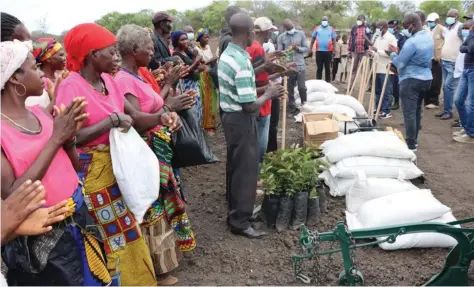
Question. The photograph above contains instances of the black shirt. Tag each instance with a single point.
(162, 52)
(194, 76)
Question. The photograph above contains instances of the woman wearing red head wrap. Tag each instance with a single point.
(91, 55)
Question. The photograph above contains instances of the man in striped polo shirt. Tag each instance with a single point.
(239, 111)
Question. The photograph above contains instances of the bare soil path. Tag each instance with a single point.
(224, 259)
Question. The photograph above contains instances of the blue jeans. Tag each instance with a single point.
(263, 124)
(387, 101)
(465, 101)
(449, 86)
(412, 93)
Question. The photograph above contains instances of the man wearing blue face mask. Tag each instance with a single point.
(382, 42)
(436, 30)
(359, 41)
(449, 55)
(413, 65)
(325, 38)
(295, 40)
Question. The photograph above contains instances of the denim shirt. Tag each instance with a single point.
(414, 60)
(284, 42)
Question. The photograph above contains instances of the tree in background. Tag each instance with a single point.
(114, 20)
(468, 5)
(213, 17)
(42, 26)
(397, 10)
(307, 13)
(441, 7)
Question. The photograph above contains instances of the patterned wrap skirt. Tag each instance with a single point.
(70, 254)
(168, 212)
(209, 100)
(128, 257)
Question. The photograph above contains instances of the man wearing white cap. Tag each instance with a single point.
(436, 29)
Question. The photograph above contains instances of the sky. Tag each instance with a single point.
(63, 15)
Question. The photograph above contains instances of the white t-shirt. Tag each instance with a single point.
(3, 281)
(452, 43)
(382, 43)
(42, 100)
(269, 47)
(205, 53)
(459, 66)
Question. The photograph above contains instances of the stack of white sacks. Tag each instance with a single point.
(372, 169)
(322, 97)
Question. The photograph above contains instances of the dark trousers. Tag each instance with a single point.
(335, 67)
(386, 101)
(241, 136)
(395, 88)
(323, 61)
(412, 93)
(432, 97)
(273, 130)
(300, 80)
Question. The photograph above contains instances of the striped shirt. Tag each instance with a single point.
(236, 79)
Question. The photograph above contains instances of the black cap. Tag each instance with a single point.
(468, 16)
(393, 22)
(161, 16)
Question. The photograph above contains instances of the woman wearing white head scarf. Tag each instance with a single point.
(36, 147)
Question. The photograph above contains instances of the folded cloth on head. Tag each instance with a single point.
(14, 54)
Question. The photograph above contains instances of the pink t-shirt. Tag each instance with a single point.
(150, 102)
(21, 149)
(99, 106)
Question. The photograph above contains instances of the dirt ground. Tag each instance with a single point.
(224, 259)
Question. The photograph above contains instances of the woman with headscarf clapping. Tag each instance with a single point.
(180, 42)
(37, 147)
(166, 225)
(91, 56)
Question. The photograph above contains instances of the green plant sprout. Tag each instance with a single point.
(289, 171)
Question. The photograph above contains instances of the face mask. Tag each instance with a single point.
(359, 23)
(324, 23)
(391, 31)
(292, 31)
(450, 20)
(406, 33)
(275, 33)
(431, 25)
(367, 30)
(190, 36)
(378, 31)
(465, 33)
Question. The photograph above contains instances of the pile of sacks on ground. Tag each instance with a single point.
(372, 170)
(322, 97)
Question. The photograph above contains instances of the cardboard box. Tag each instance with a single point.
(319, 127)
